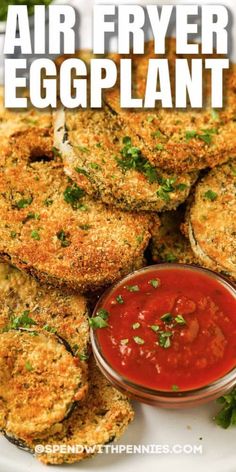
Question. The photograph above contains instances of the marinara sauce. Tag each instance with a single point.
(169, 329)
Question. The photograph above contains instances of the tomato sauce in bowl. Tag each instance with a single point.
(168, 328)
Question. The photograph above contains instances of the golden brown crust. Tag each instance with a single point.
(96, 157)
(212, 220)
(40, 380)
(190, 139)
(50, 229)
(168, 244)
(102, 418)
(12, 121)
(52, 309)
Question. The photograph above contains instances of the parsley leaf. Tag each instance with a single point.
(100, 320)
(164, 339)
(138, 340)
(205, 136)
(35, 235)
(155, 328)
(227, 415)
(180, 320)
(132, 288)
(167, 318)
(24, 202)
(154, 283)
(120, 299)
(136, 325)
(23, 321)
(73, 194)
(97, 322)
(170, 257)
(210, 195)
(132, 158)
(63, 237)
(167, 186)
(28, 366)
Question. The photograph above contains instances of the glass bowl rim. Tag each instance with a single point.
(146, 394)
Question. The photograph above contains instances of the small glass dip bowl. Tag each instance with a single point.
(176, 398)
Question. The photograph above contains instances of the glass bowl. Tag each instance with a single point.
(160, 398)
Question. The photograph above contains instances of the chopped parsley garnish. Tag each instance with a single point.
(124, 341)
(82, 148)
(167, 186)
(154, 283)
(85, 227)
(73, 195)
(120, 299)
(175, 388)
(167, 318)
(50, 329)
(214, 114)
(157, 134)
(35, 235)
(132, 158)
(160, 147)
(97, 322)
(190, 134)
(23, 321)
(210, 195)
(63, 237)
(100, 320)
(164, 339)
(28, 366)
(136, 325)
(48, 202)
(103, 313)
(205, 136)
(170, 257)
(13, 234)
(181, 187)
(155, 328)
(227, 415)
(24, 202)
(132, 288)
(138, 340)
(163, 195)
(33, 216)
(56, 152)
(81, 171)
(180, 320)
(139, 239)
(95, 166)
(83, 357)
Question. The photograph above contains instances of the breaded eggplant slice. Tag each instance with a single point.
(168, 244)
(52, 230)
(212, 220)
(175, 139)
(23, 300)
(39, 382)
(12, 121)
(103, 160)
(101, 418)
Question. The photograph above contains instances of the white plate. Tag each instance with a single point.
(151, 426)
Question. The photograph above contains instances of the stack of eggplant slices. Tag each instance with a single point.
(86, 197)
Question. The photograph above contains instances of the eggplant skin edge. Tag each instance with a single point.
(17, 441)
